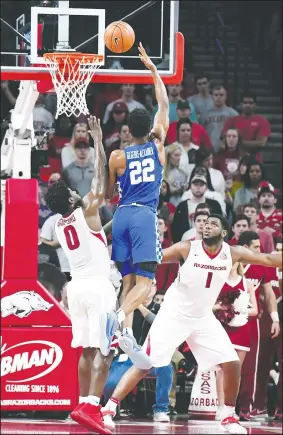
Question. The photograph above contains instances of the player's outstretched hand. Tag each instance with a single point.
(145, 58)
(95, 129)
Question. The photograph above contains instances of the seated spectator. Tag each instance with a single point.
(58, 140)
(117, 117)
(127, 98)
(199, 135)
(78, 175)
(238, 177)
(266, 239)
(80, 131)
(173, 174)
(42, 118)
(159, 297)
(124, 140)
(184, 134)
(213, 120)
(270, 218)
(208, 188)
(241, 223)
(228, 159)
(48, 237)
(254, 129)
(47, 253)
(143, 318)
(203, 100)
(184, 215)
(174, 96)
(252, 179)
(205, 157)
(165, 208)
(195, 233)
(52, 279)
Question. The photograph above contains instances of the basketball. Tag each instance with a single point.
(119, 37)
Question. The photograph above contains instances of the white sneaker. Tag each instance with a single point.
(232, 425)
(108, 418)
(161, 417)
(219, 414)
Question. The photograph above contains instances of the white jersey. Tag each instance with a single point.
(200, 280)
(85, 249)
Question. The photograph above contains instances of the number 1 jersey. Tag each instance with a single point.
(86, 250)
(141, 181)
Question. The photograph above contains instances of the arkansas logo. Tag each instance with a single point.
(23, 303)
(223, 256)
(30, 360)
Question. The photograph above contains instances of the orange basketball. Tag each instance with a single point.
(119, 37)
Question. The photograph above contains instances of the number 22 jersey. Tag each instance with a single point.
(86, 250)
(141, 181)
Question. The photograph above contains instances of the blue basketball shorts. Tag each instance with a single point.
(135, 237)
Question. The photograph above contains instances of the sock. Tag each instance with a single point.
(228, 411)
(128, 331)
(94, 400)
(83, 399)
(120, 316)
(112, 404)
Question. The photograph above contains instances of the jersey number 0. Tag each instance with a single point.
(142, 171)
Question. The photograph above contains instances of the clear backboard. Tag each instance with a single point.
(47, 26)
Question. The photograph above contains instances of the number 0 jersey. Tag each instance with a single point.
(141, 181)
(86, 250)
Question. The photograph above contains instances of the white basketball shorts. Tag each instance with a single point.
(206, 337)
(87, 299)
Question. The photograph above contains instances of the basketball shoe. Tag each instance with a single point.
(136, 354)
(90, 416)
(232, 425)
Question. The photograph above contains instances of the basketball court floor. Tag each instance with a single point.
(132, 426)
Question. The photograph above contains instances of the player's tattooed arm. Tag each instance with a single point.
(244, 255)
(177, 252)
(98, 184)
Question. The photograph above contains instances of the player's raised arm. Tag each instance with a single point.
(98, 184)
(244, 255)
(161, 119)
(178, 251)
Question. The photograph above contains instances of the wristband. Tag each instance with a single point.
(274, 316)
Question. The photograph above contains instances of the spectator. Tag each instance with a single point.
(44, 211)
(208, 188)
(203, 100)
(254, 129)
(188, 85)
(124, 140)
(184, 215)
(195, 233)
(173, 174)
(48, 236)
(266, 239)
(108, 93)
(214, 119)
(240, 224)
(159, 297)
(163, 228)
(127, 98)
(148, 103)
(117, 117)
(165, 208)
(238, 177)
(228, 158)
(56, 142)
(42, 118)
(47, 253)
(52, 278)
(270, 218)
(199, 135)
(79, 174)
(184, 134)
(80, 131)
(174, 96)
(204, 157)
(165, 273)
(252, 179)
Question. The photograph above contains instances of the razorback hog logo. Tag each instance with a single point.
(29, 360)
(21, 304)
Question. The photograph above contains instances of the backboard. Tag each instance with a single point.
(48, 26)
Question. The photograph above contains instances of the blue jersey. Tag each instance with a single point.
(141, 181)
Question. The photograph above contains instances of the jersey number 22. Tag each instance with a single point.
(142, 171)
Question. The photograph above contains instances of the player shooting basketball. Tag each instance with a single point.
(136, 245)
(90, 293)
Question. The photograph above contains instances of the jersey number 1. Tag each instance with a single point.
(72, 238)
(208, 280)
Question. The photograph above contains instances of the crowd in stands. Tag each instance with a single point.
(213, 165)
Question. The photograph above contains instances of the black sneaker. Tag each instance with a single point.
(171, 411)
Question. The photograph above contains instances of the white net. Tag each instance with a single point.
(71, 76)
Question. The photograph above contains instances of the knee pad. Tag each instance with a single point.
(146, 269)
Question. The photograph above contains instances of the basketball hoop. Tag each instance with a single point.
(71, 74)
